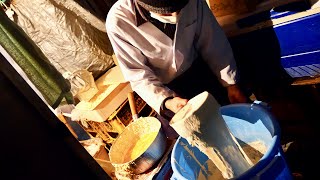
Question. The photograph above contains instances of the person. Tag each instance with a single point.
(172, 50)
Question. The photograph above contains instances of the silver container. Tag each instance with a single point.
(121, 149)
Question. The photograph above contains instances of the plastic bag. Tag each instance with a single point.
(69, 35)
(83, 85)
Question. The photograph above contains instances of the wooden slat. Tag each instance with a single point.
(293, 73)
(317, 65)
(301, 71)
(311, 72)
(304, 71)
(64, 121)
(315, 68)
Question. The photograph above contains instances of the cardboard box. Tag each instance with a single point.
(112, 92)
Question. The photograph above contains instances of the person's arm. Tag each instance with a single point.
(215, 49)
(142, 79)
(236, 95)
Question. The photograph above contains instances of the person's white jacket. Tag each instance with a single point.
(149, 59)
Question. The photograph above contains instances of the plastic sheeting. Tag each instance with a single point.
(70, 36)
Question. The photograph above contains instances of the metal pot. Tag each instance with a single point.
(153, 149)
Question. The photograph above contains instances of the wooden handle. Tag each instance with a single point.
(62, 119)
(132, 104)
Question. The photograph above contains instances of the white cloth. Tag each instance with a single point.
(148, 58)
(165, 19)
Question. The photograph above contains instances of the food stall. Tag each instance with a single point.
(260, 32)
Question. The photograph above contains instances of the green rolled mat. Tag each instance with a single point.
(46, 78)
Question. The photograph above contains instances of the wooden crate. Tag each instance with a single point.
(124, 113)
(109, 129)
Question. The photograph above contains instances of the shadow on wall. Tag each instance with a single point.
(258, 58)
(258, 53)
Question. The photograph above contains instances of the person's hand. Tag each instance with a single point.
(175, 104)
(236, 95)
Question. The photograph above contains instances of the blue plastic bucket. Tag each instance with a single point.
(248, 123)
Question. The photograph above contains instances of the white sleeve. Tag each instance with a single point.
(142, 79)
(214, 46)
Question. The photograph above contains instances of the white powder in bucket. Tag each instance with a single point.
(202, 125)
(254, 150)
